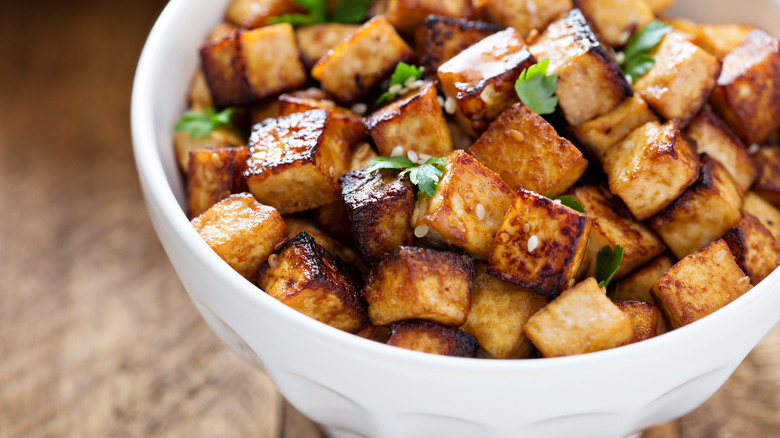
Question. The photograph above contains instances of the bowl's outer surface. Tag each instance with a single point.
(354, 386)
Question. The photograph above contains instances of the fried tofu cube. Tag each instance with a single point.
(250, 14)
(466, 209)
(213, 175)
(636, 287)
(184, 143)
(297, 223)
(379, 206)
(439, 39)
(589, 82)
(616, 20)
(419, 283)
(199, 93)
(768, 182)
(540, 244)
(705, 211)
(480, 80)
(350, 124)
(242, 231)
(678, 84)
(295, 161)
(499, 310)
(612, 225)
(764, 211)
(358, 64)
(407, 15)
(415, 123)
(527, 152)
(646, 319)
(361, 155)
(747, 96)
(315, 41)
(651, 167)
(581, 320)
(658, 6)
(306, 277)
(715, 139)
(429, 337)
(700, 284)
(754, 248)
(333, 217)
(525, 15)
(722, 39)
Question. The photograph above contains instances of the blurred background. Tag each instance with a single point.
(97, 336)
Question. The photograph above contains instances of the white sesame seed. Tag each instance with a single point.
(624, 37)
(479, 210)
(557, 201)
(359, 108)
(395, 89)
(273, 261)
(504, 236)
(526, 228)
(753, 148)
(743, 281)
(620, 57)
(490, 96)
(397, 151)
(571, 282)
(450, 105)
(531, 7)
(533, 242)
(328, 102)
(409, 83)
(422, 158)
(421, 231)
(629, 80)
(416, 84)
(412, 156)
(294, 123)
(441, 101)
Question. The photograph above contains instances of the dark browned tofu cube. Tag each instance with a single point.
(768, 183)
(250, 14)
(764, 211)
(700, 284)
(581, 320)
(295, 161)
(439, 39)
(715, 139)
(646, 319)
(407, 15)
(499, 310)
(616, 20)
(418, 283)
(213, 175)
(754, 248)
(379, 206)
(429, 337)
(589, 82)
(747, 96)
(415, 123)
(358, 64)
(316, 41)
(525, 15)
(526, 152)
(651, 167)
(242, 231)
(333, 217)
(540, 244)
(224, 68)
(350, 124)
(636, 287)
(702, 213)
(306, 277)
(466, 209)
(297, 223)
(479, 82)
(678, 84)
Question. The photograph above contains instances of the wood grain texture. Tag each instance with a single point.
(97, 336)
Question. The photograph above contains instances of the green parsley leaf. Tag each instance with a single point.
(637, 61)
(616, 292)
(425, 176)
(607, 263)
(351, 11)
(202, 123)
(568, 201)
(536, 88)
(399, 162)
(317, 13)
(402, 73)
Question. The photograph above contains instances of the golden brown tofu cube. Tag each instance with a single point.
(499, 310)
(379, 206)
(306, 277)
(213, 175)
(614, 225)
(715, 139)
(764, 211)
(480, 80)
(700, 284)
(747, 96)
(250, 14)
(224, 68)
(361, 62)
(297, 223)
(333, 217)
(184, 143)
(636, 286)
(589, 82)
(439, 39)
(418, 283)
(295, 161)
(678, 84)
(467, 208)
(581, 320)
(768, 183)
(705, 211)
(199, 93)
(658, 6)
(316, 41)
(754, 248)
(722, 39)
(429, 337)
(350, 124)
(651, 167)
(361, 155)
(407, 15)
(519, 133)
(598, 135)
(646, 319)
(221, 30)
(415, 122)
(540, 244)
(616, 20)
(242, 231)
(525, 15)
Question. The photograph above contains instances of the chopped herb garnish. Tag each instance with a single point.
(616, 292)
(347, 11)
(607, 263)
(351, 11)
(425, 176)
(536, 88)
(637, 61)
(568, 201)
(202, 123)
(402, 73)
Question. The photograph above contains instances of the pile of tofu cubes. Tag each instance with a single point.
(680, 167)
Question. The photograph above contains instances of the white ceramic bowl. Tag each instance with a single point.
(355, 387)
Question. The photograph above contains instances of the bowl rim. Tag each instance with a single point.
(160, 192)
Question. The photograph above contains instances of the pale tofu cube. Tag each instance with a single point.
(317, 40)
(407, 15)
(429, 337)
(658, 6)
(646, 319)
(439, 39)
(616, 20)
(636, 287)
(250, 14)
(213, 175)
(199, 93)
(764, 211)
(722, 39)
(768, 183)
(754, 248)
(525, 15)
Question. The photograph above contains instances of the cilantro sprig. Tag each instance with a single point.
(402, 73)
(425, 176)
(536, 88)
(202, 123)
(568, 201)
(636, 60)
(347, 11)
(607, 263)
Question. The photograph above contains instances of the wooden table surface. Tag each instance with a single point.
(97, 336)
